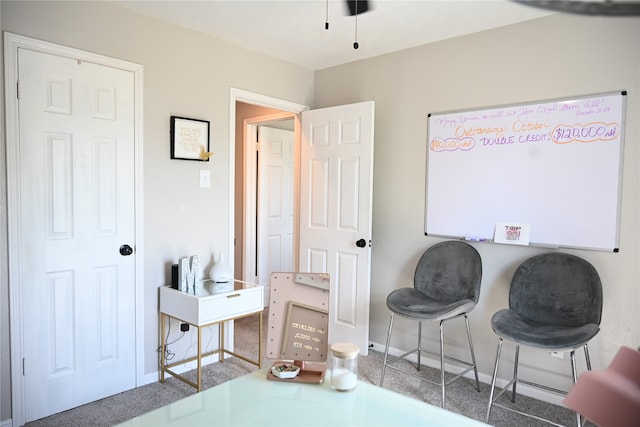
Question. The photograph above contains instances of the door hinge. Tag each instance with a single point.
(18, 90)
(23, 366)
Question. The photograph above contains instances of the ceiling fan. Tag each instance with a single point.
(354, 8)
(601, 8)
(357, 7)
(581, 7)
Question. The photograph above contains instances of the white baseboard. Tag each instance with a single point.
(525, 390)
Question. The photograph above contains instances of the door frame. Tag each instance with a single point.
(12, 43)
(251, 212)
(289, 110)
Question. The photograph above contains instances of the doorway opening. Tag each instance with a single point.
(270, 188)
(255, 253)
(335, 202)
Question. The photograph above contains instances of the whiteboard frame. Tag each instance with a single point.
(623, 109)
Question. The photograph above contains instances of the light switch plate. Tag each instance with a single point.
(205, 179)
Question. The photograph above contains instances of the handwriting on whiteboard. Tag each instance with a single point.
(591, 132)
(560, 122)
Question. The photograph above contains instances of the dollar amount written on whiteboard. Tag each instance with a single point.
(591, 132)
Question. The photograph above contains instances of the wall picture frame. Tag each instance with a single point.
(189, 139)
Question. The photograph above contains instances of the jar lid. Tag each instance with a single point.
(345, 350)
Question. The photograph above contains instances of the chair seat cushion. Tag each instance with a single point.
(412, 303)
(511, 326)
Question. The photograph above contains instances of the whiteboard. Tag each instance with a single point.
(554, 165)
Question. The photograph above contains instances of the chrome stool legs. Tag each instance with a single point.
(514, 381)
(443, 383)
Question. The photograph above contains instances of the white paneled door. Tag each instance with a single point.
(77, 217)
(275, 206)
(335, 212)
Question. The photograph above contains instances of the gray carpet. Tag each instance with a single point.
(462, 396)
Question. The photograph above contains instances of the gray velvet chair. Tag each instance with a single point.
(446, 286)
(555, 304)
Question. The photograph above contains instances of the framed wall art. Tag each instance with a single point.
(189, 139)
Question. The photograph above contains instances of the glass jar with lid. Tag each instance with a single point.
(344, 366)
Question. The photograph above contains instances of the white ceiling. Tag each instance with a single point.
(295, 30)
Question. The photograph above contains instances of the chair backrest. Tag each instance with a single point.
(557, 289)
(449, 271)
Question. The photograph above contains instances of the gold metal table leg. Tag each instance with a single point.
(221, 343)
(259, 340)
(167, 368)
(162, 348)
(199, 358)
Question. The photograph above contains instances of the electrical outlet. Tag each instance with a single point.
(184, 327)
(557, 354)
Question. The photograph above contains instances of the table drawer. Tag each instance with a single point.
(200, 310)
(231, 304)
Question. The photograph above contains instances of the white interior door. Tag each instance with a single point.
(77, 208)
(336, 176)
(275, 206)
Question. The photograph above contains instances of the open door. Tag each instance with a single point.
(336, 177)
(275, 234)
(333, 192)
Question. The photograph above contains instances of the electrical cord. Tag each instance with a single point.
(168, 354)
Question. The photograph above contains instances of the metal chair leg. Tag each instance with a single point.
(387, 363)
(493, 397)
(386, 351)
(588, 361)
(515, 374)
(574, 374)
(473, 356)
(419, 343)
(493, 380)
(586, 357)
(442, 383)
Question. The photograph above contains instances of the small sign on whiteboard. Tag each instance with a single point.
(512, 233)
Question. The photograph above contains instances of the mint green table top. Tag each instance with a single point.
(252, 400)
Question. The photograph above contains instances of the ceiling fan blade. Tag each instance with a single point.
(357, 7)
(603, 8)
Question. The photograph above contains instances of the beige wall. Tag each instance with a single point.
(552, 57)
(185, 74)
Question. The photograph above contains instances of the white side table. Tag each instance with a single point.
(209, 306)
